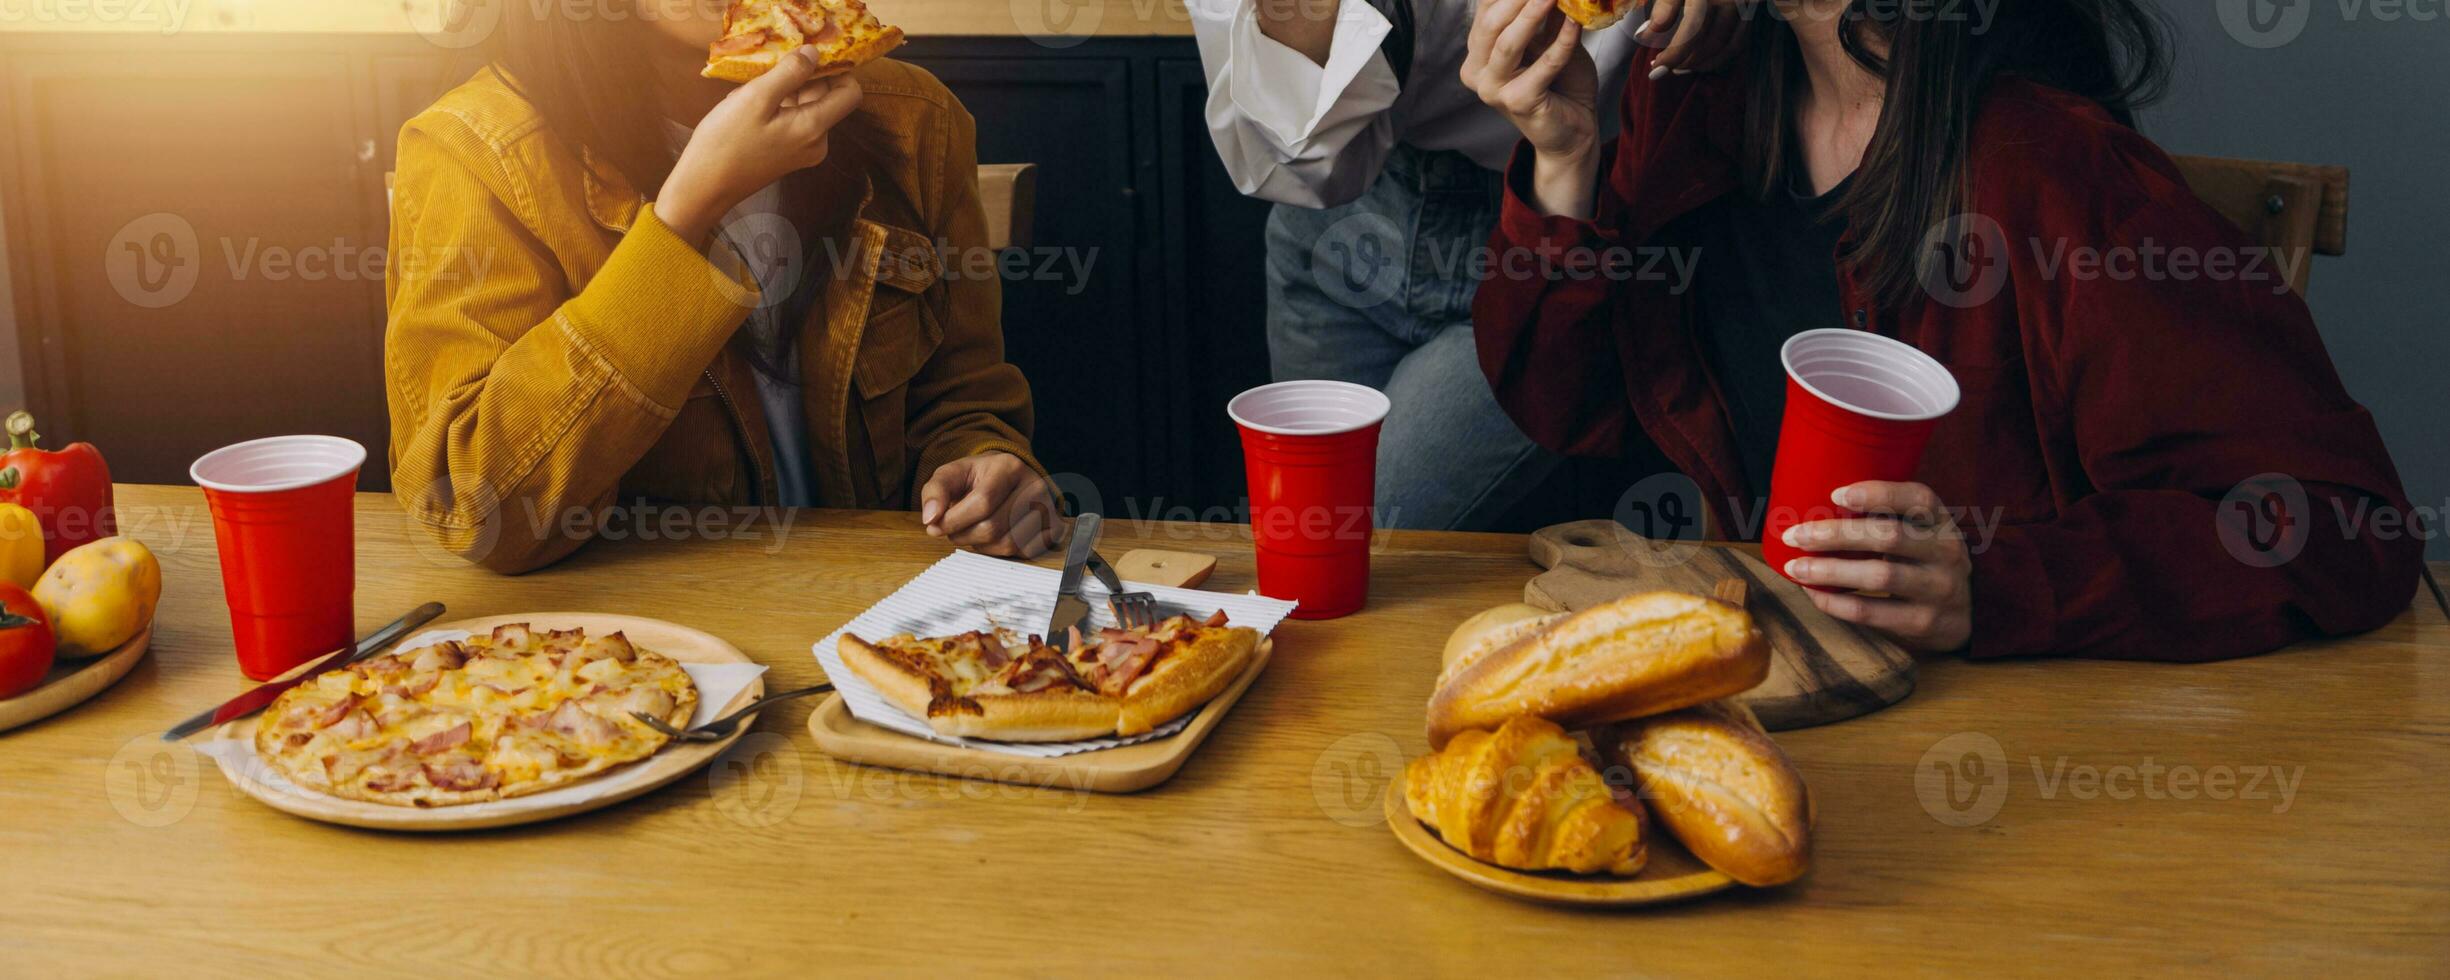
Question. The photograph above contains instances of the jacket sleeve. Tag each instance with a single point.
(1290, 130)
(1545, 328)
(2243, 501)
(516, 403)
(966, 399)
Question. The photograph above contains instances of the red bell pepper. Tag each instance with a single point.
(69, 490)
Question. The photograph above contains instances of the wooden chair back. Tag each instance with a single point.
(1009, 191)
(2295, 209)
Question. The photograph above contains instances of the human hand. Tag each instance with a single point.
(992, 503)
(1923, 567)
(779, 123)
(1525, 59)
(1692, 35)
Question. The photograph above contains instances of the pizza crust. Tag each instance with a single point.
(1187, 677)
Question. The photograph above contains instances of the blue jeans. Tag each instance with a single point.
(1379, 292)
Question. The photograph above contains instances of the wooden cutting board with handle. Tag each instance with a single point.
(1821, 670)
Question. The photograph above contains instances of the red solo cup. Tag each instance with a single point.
(1310, 449)
(283, 515)
(1859, 406)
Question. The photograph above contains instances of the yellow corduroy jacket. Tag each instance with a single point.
(554, 350)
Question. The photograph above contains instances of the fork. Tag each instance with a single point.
(722, 728)
(1132, 610)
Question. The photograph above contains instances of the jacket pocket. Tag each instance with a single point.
(902, 335)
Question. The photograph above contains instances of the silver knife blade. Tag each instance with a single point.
(257, 699)
(1070, 609)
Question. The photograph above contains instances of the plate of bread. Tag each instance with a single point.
(1594, 757)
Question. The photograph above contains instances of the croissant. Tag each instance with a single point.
(1525, 798)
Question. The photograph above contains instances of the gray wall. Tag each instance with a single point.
(2353, 86)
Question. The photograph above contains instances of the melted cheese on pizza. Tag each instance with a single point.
(757, 33)
(481, 716)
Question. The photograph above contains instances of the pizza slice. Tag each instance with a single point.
(1006, 686)
(758, 33)
(1595, 15)
(1162, 673)
(998, 685)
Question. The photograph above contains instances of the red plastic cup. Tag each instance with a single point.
(1859, 406)
(1310, 449)
(282, 514)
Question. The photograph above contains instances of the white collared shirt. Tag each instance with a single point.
(1293, 131)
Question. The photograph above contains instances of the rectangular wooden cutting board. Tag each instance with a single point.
(1123, 769)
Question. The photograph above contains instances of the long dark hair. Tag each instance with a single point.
(583, 76)
(1936, 71)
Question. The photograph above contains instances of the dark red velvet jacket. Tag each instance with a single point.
(2104, 418)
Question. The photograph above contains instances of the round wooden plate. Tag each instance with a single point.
(70, 684)
(621, 783)
(1672, 874)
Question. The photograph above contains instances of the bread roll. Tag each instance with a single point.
(1492, 629)
(1720, 786)
(1525, 798)
(1643, 654)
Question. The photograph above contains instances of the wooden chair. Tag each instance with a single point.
(2290, 208)
(1009, 191)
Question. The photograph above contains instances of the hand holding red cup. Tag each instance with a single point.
(1860, 408)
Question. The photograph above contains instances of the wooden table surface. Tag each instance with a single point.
(2285, 813)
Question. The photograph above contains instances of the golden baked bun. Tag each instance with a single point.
(1643, 654)
(1721, 787)
(1595, 15)
(1525, 798)
(1492, 629)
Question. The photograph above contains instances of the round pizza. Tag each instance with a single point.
(1009, 687)
(484, 718)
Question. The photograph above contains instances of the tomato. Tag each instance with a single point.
(25, 642)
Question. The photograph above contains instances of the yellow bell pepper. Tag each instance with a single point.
(21, 546)
(100, 595)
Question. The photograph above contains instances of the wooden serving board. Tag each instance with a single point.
(635, 779)
(1672, 874)
(1821, 670)
(1123, 769)
(70, 684)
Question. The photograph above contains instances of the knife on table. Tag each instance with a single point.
(256, 700)
(1070, 608)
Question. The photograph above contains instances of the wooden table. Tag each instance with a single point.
(1265, 855)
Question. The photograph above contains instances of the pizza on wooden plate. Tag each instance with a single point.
(1003, 685)
(484, 718)
(758, 33)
